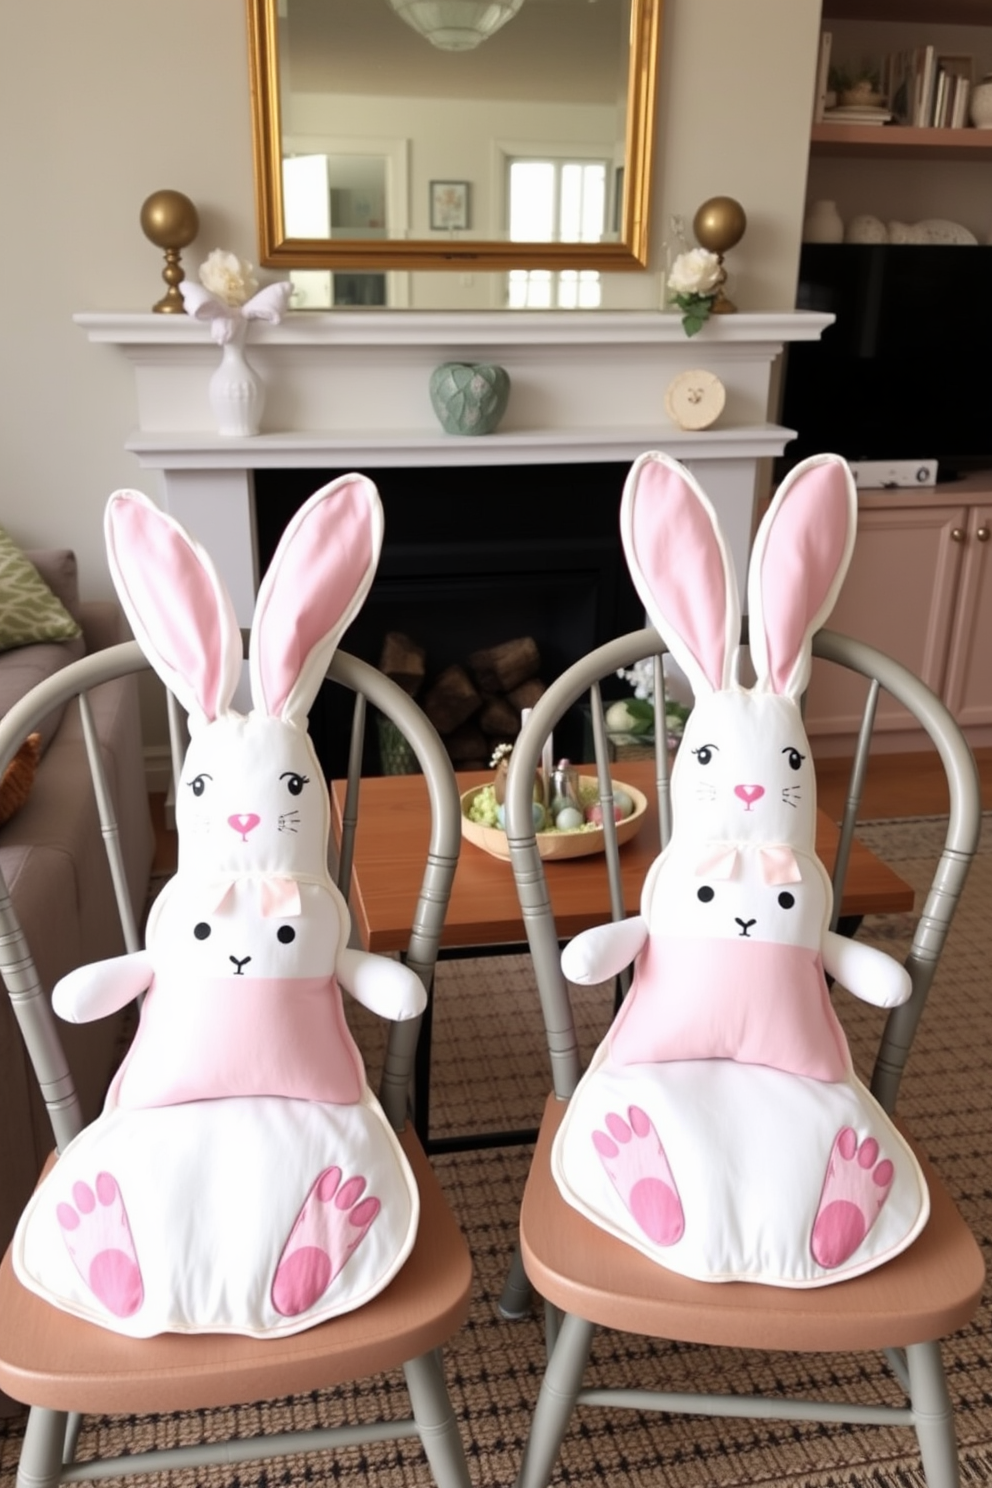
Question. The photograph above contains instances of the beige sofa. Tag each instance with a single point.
(54, 863)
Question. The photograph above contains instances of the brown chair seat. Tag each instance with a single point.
(929, 1290)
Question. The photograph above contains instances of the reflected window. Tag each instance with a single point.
(556, 200)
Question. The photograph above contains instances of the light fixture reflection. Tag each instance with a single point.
(456, 25)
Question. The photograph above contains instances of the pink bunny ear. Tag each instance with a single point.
(800, 556)
(178, 607)
(681, 570)
(316, 583)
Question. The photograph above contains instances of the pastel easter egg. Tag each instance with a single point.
(623, 802)
(594, 813)
(568, 818)
(539, 817)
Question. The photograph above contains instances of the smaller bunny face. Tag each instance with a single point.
(745, 894)
(252, 799)
(243, 934)
(744, 772)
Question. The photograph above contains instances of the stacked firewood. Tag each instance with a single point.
(474, 706)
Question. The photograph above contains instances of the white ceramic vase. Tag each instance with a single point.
(823, 223)
(237, 394)
(980, 107)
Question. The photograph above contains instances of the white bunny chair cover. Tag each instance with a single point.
(242, 1177)
(720, 1127)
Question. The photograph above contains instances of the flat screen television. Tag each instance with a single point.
(904, 372)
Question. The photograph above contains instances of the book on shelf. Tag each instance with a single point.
(927, 89)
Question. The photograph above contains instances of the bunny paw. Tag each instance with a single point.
(331, 1225)
(635, 1162)
(98, 1237)
(856, 1186)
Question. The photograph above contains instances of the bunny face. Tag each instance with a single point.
(252, 800)
(239, 932)
(744, 894)
(744, 770)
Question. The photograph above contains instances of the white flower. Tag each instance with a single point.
(696, 272)
(228, 277)
(227, 321)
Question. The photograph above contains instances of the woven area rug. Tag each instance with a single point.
(491, 1072)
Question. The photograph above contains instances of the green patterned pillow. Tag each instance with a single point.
(29, 611)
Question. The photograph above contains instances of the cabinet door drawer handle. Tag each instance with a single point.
(983, 534)
(957, 534)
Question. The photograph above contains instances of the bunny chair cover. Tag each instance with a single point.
(242, 1177)
(720, 1127)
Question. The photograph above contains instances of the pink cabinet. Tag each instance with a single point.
(919, 588)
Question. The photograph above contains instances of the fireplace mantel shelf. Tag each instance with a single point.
(177, 450)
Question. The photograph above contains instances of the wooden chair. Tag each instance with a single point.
(590, 1280)
(61, 1366)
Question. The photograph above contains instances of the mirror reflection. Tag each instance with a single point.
(461, 134)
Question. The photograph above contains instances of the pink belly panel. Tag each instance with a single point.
(751, 1001)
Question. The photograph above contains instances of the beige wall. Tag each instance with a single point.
(105, 101)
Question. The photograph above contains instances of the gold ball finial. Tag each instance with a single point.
(719, 225)
(170, 221)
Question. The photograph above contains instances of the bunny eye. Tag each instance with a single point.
(294, 782)
(202, 930)
(705, 894)
(786, 899)
(286, 934)
(199, 784)
(704, 754)
(794, 757)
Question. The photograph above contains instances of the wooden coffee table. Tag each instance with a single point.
(484, 914)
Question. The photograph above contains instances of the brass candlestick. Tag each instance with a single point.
(719, 225)
(170, 221)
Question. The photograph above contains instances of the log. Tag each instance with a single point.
(403, 661)
(499, 718)
(501, 668)
(466, 745)
(451, 699)
(527, 694)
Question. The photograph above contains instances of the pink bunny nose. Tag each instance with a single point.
(749, 794)
(244, 823)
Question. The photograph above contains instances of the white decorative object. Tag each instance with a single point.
(695, 400)
(823, 223)
(237, 394)
(866, 229)
(980, 109)
(934, 230)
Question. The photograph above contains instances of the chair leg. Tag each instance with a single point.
(555, 1403)
(515, 1298)
(41, 1455)
(933, 1415)
(435, 1418)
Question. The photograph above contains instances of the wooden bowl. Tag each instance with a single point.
(580, 843)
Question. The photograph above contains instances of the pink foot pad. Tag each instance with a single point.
(855, 1187)
(637, 1167)
(98, 1237)
(331, 1225)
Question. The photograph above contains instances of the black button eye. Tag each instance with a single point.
(286, 934)
(295, 783)
(704, 754)
(202, 930)
(786, 899)
(199, 784)
(705, 894)
(794, 757)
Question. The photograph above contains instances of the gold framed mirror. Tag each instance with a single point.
(363, 135)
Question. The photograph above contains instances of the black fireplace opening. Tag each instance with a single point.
(475, 557)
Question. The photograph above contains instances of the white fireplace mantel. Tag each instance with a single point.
(349, 390)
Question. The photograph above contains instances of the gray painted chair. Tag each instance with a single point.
(590, 1280)
(61, 1366)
